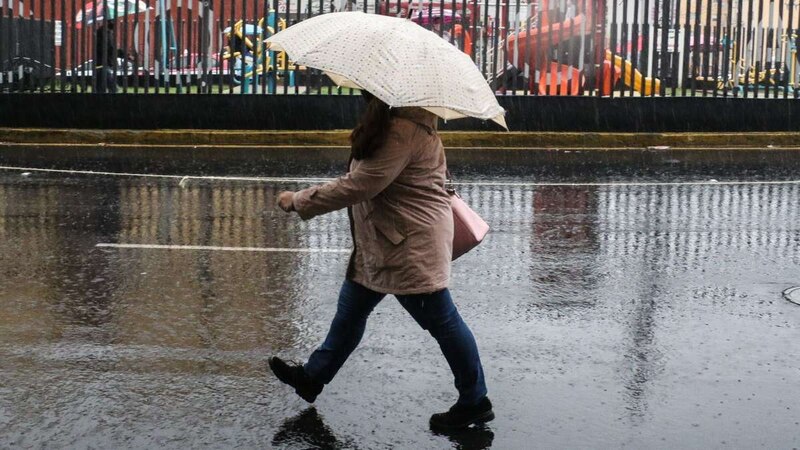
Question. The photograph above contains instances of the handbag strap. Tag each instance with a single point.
(448, 183)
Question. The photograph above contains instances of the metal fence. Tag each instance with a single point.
(740, 48)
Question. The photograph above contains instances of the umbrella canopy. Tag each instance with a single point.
(395, 59)
(100, 10)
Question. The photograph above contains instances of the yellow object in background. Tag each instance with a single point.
(632, 77)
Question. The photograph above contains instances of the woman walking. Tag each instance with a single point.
(402, 228)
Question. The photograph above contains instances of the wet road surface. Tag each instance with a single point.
(607, 315)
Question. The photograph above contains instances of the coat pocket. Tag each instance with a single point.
(387, 228)
(389, 232)
(389, 245)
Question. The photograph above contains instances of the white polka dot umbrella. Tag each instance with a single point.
(395, 59)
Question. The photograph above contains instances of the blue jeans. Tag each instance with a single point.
(434, 312)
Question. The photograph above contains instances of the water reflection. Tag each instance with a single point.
(564, 227)
(554, 235)
(308, 430)
(565, 254)
(686, 223)
(580, 242)
(473, 438)
(155, 300)
(660, 230)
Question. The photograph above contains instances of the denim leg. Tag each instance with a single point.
(355, 304)
(437, 313)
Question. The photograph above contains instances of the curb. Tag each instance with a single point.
(451, 139)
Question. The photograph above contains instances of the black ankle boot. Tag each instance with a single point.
(296, 377)
(463, 416)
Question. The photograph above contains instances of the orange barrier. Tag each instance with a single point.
(560, 79)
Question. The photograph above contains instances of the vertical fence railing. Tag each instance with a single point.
(606, 48)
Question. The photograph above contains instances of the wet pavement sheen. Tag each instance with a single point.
(639, 316)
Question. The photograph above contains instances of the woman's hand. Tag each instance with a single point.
(285, 201)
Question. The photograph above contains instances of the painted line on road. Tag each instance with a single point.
(576, 149)
(181, 178)
(180, 146)
(185, 179)
(633, 184)
(226, 249)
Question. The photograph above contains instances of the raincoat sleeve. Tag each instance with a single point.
(366, 180)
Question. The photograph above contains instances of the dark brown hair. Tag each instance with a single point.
(372, 129)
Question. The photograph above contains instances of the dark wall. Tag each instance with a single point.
(329, 112)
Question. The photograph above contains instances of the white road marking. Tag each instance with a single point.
(227, 249)
(184, 179)
(180, 178)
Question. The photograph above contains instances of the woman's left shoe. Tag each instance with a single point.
(296, 377)
(460, 416)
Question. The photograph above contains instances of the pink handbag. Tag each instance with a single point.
(469, 228)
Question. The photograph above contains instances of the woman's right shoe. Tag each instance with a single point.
(460, 416)
(296, 377)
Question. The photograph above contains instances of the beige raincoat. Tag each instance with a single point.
(401, 220)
